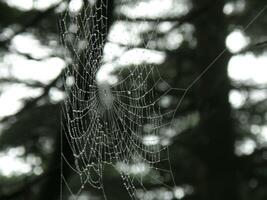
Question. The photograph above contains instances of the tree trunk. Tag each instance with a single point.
(218, 177)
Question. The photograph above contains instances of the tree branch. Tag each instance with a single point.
(36, 19)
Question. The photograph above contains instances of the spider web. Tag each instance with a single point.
(120, 124)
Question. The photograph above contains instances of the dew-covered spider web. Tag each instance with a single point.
(118, 121)
(122, 119)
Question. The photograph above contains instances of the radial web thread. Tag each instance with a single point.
(119, 124)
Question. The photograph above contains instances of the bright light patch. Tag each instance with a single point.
(140, 56)
(70, 81)
(236, 98)
(6, 33)
(56, 95)
(236, 41)
(174, 40)
(245, 147)
(44, 4)
(23, 5)
(12, 96)
(104, 74)
(170, 132)
(112, 51)
(150, 140)
(165, 27)
(156, 8)
(260, 132)
(135, 169)
(122, 32)
(228, 8)
(28, 44)
(75, 6)
(155, 194)
(165, 101)
(263, 134)
(12, 164)
(255, 129)
(234, 7)
(248, 69)
(25, 69)
(32, 4)
(179, 192)
(258, 95)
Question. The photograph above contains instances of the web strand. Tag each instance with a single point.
(117, 124)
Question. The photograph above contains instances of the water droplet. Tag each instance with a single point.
(70, 81)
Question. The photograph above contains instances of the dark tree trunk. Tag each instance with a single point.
(218, 176)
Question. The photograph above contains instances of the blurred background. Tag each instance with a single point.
(218, 149)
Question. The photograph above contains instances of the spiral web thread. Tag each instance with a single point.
(109, 123)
